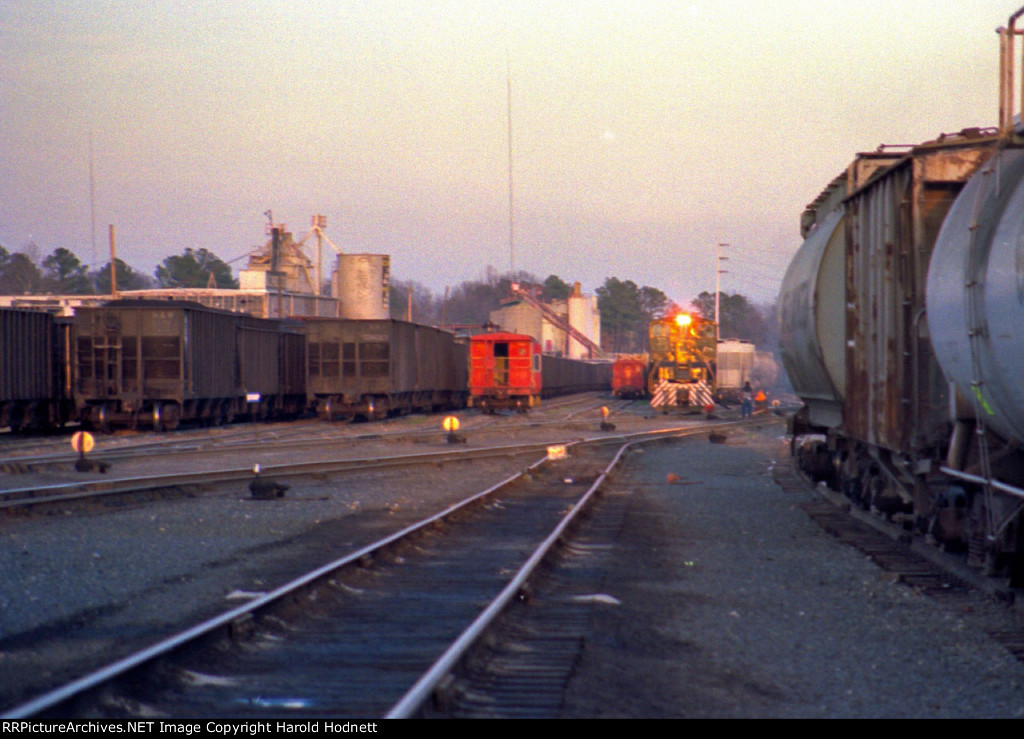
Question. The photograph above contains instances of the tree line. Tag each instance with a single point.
(62, 273)
(626, 308)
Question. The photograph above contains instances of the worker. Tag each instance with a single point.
(747, 407)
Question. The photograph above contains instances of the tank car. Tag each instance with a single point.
(629, 377)
(139, 363)
(370, 368)
(33, 378)
(900, 316)
(504, 372)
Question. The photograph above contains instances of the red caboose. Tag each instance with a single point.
(504, 372)
(629, 377)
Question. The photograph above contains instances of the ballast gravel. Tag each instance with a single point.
(727, 601)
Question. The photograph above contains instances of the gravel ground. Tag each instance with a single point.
(90, 584)
(86, 586)
(734, 604)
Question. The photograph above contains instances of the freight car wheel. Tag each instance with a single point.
(103, 420)
(166, 416)
(172, 416)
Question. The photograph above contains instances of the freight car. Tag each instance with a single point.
(507, 371)
(34, 390)
(154, 364)
(504, 372)
(900, 318)
(370, 368)
(565, 376)
(629, 377)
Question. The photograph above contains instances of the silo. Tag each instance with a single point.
(361, 282)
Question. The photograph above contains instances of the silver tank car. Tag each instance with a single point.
(813, 317)
(976, 296)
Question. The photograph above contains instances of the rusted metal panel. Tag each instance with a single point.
(895, 396)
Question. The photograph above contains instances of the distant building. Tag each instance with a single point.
(278, 282)
(548, 322)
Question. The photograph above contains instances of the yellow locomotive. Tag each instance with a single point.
(683, 351)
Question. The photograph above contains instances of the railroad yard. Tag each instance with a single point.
(699, 582)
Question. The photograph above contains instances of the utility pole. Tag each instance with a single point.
(718, 285)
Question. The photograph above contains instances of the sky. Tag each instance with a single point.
(644, 132)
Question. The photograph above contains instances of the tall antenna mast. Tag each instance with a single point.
(511, 212)
(92, 201)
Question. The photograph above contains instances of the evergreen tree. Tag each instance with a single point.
(195, 268)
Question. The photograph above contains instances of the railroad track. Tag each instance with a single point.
(399, 615)
(914, 563)
(410, 578)
(38, 496)
(297, 435)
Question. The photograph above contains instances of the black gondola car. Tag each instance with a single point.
(371, 368)
(33, 385)
(155, 364)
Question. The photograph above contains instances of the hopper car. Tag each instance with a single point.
(34, 391)
(149, 363)
(371, 368)
(155, 364)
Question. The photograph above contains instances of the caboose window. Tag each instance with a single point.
(501, 351)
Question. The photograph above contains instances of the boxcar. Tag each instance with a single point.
(33, 388)
(371, 368)
(504, 372)
(154, 363)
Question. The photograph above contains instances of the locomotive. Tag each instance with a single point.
(899, 332)
(682, 361)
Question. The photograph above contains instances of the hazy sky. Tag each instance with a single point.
(644, 131)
